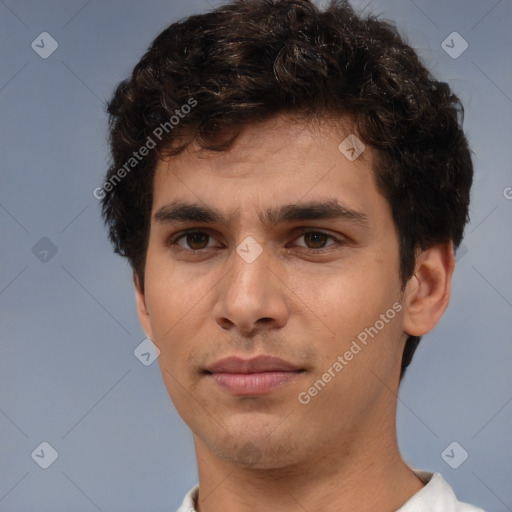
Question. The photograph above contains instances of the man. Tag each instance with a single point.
(289, 186)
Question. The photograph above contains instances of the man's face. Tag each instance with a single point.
(301, 289)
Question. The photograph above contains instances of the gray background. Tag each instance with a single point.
(68, 326)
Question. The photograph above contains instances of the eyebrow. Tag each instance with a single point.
(180, 211)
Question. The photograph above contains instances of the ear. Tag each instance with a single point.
(427, 292)
(142, 310)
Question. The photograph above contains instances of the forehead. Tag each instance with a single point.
(282, 138)
(274, 162)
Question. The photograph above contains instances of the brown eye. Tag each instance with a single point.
(316, 238)
(316, 241)
(197, 241)
(194, 240)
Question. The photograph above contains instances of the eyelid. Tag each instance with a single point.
(338, 240)
(173, 239)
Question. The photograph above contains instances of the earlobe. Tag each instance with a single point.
(427, 293)
(142, 310)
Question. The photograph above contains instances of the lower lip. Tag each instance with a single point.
(244, 384)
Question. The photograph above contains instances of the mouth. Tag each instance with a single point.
(256, 376)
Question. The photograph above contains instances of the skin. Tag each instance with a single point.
(271, 452)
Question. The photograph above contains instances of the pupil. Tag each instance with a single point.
(196, 237)
(314, 235)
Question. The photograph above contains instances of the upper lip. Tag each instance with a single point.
(254, 365)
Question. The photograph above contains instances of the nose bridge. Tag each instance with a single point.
(249, 292)
(250, 269)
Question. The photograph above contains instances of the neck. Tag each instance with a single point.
(363, 472)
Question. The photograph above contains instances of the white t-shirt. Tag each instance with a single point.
(436, 496)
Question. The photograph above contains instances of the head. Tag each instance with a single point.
(242, 110)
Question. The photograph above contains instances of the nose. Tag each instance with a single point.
(251, 297)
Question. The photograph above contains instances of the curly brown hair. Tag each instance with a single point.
(250, 60)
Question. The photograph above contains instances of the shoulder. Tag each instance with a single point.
(436, 496)
(189, 501)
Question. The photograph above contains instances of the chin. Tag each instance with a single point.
(258, 447)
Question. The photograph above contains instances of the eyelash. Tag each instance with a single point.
(174, 239)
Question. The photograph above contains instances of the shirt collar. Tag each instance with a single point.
(436, 495)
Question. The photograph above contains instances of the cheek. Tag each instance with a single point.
(349, 301)
(170, 292)
(167, 301)
(179, 302)
(346, 297)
